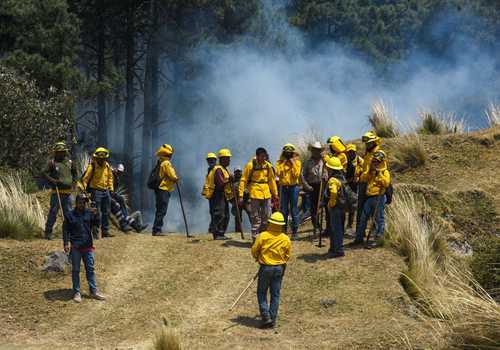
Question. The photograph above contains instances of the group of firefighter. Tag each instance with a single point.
(334, 178)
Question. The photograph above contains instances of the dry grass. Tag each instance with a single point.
(303, 141)
(493, 114)
(20, 213)
(167, 339)
(383, 121)
(83, 160)
(407, 152)
(440, 285)
(437, 123)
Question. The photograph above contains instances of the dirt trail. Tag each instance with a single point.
(191, 284)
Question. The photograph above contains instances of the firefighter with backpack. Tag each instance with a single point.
(206, 192)
(98, 181)
(162, 180)
(338, 196)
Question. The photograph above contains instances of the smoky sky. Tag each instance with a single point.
(246, 97)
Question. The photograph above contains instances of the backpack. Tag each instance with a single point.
(388, 194)
(154, 179)
(346, 198)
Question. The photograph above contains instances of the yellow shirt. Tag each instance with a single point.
(168, 175)
(98, 177)
(377, 181)
(262, 185)
(368, 159)
(287, 173)
(272, 248)
(334, 186)
(341, 156)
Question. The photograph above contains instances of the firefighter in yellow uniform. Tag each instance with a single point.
(220, 193)
(258, 177)
(288, 171)
(211, 162)
(353, 173)
(377, 179)
(337, 149)
(167, 178)
(98, 181)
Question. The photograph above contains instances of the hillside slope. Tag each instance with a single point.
(191, 283)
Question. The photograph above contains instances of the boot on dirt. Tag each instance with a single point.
(267, 322)
(158, 234)
(77, 298)
(97, 295)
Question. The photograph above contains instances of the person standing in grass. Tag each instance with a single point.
(61, 174)
(78, 232)
(272, 250)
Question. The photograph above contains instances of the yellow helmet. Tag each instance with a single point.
(225, 153)
(165, 150)
(334, 163)
(101, 152)
(336, 144)
(277, 218)
(60, 147)
(351, 147)
(288, 148)
(371, 136)
(211, 155)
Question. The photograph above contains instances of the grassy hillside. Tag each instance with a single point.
(192, 283)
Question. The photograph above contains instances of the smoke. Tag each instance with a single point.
(246, 97)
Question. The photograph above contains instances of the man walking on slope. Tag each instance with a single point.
(98, 181)
(207, 191)
(288, 170)
(272, 250)
(259, 179)
(61, 174)
(167, 178)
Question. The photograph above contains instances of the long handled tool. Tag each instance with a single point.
(238, 216)
(244, 291)
(182, 209)
(319, 217)
(59, 201)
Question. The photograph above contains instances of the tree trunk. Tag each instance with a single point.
(101, 96)
(129, 125)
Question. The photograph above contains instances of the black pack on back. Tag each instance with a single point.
(154, 179)
(388, 194)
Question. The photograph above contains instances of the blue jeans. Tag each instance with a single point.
(88, 262)
(54, 209)
(306, 204)
(337, 218)
(270, 278)
(289, 202)
(373, 206)
(121, 200)
(162, 198)
(102, 200)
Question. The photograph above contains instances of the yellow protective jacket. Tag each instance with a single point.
(272, 248)
(368, 159)
(98, 177)
(262, 185)
(209, 180)
(333, 186)
(228, 190)
(377, 181)
(167, 175)
(287, 173)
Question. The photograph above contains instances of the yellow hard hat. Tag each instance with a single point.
(370, 136)
(225, 153)
(351, 147)
(288, 148)
(277, 218)
(334, 163)
(165, 150)
(336, 144)
(60, 147)
(211, 155)
(101, 152)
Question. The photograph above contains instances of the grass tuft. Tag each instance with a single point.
(167, 339)
(409, 152)
(82, 161)
(436, 123)
(20, 213)
(440, 285)
(306, 139)
(493, 114)
(382, 121)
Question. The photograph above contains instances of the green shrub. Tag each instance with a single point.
(485, 263)
(439, 123)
